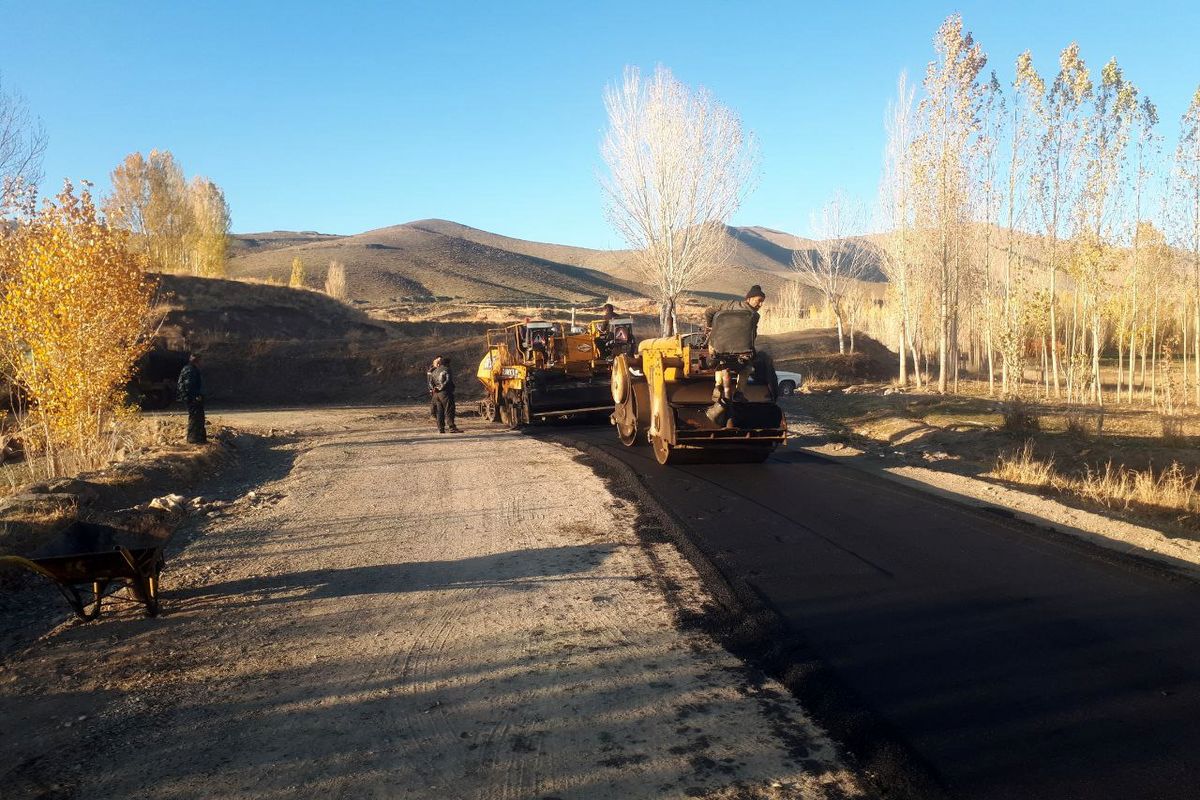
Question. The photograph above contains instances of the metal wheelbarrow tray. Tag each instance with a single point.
(88, 561)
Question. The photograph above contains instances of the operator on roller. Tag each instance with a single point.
(725, 390)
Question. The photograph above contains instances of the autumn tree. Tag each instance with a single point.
(180, 226)
(1023, 108)
(1060, 148)
(207, 239)
(296, 281)
(949, 115)
(1187, 206)
(335, 280)
(1105, 143)
(74, 303)
(679, 164)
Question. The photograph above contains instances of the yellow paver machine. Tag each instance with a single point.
(537, 370)
(670, 394)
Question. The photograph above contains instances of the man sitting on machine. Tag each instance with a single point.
(732, 358)
(613, 336)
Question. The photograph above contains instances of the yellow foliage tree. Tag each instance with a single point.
(74, 303)
(297, 279)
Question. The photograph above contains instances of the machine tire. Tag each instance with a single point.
(667, 454)
(619, 382)
(630, 435)
(488, 410)
(787, 388)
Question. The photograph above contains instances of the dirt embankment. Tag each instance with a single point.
(814, 354)
(275, 345)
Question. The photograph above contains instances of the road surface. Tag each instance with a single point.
(1014, 662)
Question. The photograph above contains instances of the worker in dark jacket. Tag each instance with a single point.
(441, 381)
(429, 383)
(191, 394)
(726, 390)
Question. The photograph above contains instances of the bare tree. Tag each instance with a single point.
(896, 205)
(22, 144)
(679, 164)
(839, 258)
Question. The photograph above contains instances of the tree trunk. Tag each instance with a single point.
(667, 319)
(1053, 327)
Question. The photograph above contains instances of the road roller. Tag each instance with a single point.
(669, 395)
(538, 370)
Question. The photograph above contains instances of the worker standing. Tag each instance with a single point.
(429, 383)
(191, 393)
(441, 381)
(725, 389)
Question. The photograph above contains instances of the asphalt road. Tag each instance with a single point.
(1016, 663)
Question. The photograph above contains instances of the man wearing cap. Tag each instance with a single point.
(191, 393)
(753, 301)
(441, 381)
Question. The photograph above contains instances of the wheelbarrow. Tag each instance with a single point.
(88, 562)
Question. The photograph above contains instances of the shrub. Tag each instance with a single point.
(1019, 416)
(1172, 429)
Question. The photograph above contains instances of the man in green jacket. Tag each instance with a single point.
(725, 389)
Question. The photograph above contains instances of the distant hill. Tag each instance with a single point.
(434, 259)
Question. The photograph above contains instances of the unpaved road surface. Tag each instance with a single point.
(1012, 662)
(399, 614)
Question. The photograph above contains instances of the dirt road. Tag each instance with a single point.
(407, 615)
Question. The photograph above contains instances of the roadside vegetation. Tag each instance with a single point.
(74, 303)
(1131, 461)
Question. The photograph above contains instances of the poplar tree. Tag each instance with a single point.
(1061, 137)
(950, 119)
(1187, 194)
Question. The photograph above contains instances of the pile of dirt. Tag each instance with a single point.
(814, 354)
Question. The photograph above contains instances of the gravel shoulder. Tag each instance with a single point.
(402, 614)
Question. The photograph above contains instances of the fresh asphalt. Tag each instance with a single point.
(1012, 661)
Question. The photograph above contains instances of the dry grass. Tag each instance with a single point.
(1024, 467)
(1115, 487)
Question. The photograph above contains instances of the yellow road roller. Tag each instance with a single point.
(666, 393)
(538, 370)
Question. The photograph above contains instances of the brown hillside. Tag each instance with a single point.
(407, 262)
(437, 259)
(243, 243)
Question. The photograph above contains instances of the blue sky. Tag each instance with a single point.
(350, 116)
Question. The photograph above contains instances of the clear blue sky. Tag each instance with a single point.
(341, 117)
